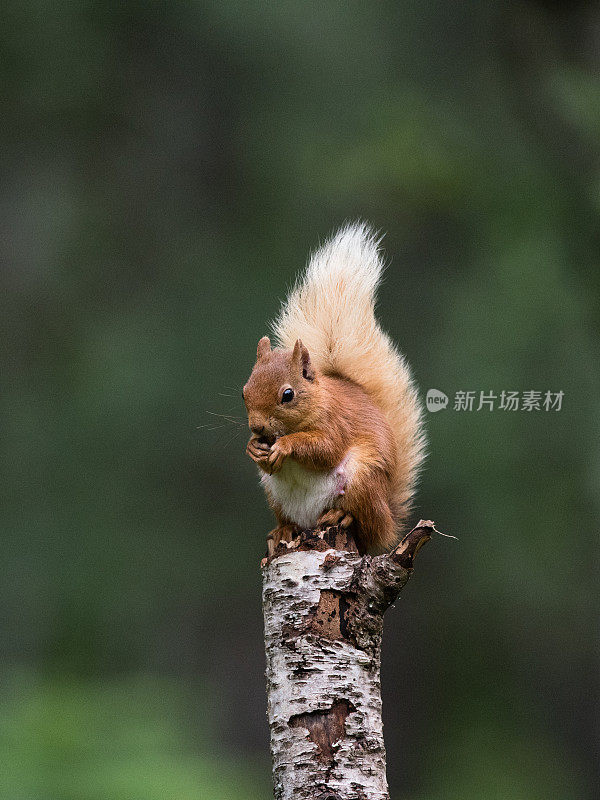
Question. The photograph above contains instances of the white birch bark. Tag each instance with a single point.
(323, 611)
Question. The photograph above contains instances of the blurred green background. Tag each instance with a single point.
(166, 169)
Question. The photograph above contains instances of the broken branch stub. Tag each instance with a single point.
(323, 609)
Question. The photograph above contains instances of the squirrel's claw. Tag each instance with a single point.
(276, 461)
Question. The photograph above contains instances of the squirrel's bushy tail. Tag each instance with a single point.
(332, 309)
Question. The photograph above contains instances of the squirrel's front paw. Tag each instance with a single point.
(279, 451)
(258, 450)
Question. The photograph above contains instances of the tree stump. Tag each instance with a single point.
(323, 608)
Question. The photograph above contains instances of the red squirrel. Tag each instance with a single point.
(335, 418)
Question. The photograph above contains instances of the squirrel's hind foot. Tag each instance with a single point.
(285, 533)
(334, 516)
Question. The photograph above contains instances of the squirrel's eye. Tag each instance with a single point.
(287, 396)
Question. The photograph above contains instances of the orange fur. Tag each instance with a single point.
(350, 436)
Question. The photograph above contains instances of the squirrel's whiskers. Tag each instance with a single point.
(335, 417)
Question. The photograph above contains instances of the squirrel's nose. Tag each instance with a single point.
(257, 429)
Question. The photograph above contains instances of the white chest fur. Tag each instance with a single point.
(304, 494)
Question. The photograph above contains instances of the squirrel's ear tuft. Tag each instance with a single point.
(301, 357)
(264, 347)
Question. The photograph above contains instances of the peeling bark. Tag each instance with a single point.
(325, 728)
(323, 608)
